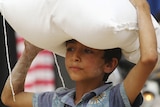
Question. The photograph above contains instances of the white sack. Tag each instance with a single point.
(98, 24)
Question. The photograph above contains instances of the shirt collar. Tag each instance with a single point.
(69, 97)
(99, 90)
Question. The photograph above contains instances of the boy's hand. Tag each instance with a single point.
(140, 3)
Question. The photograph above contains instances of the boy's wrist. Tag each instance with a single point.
(26, 58)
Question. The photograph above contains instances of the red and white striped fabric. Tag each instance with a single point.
(40, 76)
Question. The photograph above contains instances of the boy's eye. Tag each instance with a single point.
(88, 51)
(70, 49)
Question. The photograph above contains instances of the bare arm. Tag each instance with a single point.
(23, 99)
(137, 77)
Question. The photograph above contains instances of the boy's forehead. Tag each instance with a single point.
(71, 41)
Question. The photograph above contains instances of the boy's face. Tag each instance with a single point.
(84, 63)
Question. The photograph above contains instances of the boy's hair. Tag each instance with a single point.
(108, 55)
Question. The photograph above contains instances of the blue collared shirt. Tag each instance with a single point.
(104, 96)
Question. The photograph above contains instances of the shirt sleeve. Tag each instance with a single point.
(43, 99)
(118, 98)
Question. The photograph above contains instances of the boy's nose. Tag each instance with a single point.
(76, 56)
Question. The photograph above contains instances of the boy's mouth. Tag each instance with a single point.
(75, 68)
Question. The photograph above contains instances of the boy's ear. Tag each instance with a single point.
(110, 66)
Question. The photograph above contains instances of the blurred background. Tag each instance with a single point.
(43, 75)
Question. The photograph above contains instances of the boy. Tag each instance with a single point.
(87, 67)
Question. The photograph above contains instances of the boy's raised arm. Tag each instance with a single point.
(19, 72)
(137, 77)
